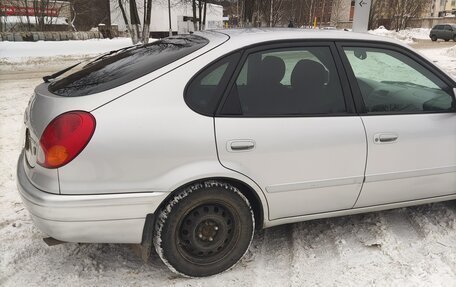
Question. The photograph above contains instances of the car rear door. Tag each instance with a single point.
(287, 121)
(448, 32)
(407, 109)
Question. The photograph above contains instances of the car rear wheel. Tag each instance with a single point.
(204, 230)
(434, 38)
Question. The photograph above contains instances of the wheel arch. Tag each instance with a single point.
(258, 205)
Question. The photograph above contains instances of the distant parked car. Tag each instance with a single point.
(191, 142)
(445, 32)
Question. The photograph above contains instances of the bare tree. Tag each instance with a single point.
(194, 20)
(274, 11)
(147, 18)
(125, 17)
(86, 14)
(375, 14)
(133, 22)
(248, 6)
(339, 7)
(204, 15)
(404, 10)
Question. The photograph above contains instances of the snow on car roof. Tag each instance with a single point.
(248, 36)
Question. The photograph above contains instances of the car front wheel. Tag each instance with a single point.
(454, 38)
(204, 230)
(434, 38)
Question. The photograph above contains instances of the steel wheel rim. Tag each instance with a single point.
(207, 233)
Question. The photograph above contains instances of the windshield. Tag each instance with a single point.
(122, 66)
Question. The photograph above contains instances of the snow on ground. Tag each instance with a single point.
(405, 247)
(407, 36)
(19, 51)
(444, 58)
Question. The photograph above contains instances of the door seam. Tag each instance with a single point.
(365, 164)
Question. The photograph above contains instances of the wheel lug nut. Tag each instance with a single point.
(200, 235)
(211, 239)
(215, 227)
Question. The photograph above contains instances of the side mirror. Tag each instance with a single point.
(360, 54)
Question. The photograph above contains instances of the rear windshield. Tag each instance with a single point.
(120, 67)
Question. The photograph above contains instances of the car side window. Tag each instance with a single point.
(391, 82)
(448, 28)
(205, 90)
(296, 81)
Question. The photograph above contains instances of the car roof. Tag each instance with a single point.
(444, 24)
(248, 36)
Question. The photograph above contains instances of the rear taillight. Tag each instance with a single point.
(65, 137)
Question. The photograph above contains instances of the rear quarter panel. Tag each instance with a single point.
(148, 140)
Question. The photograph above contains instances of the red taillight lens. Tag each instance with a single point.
(65, 137)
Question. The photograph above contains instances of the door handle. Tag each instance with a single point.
(241, 145)
(385, 138)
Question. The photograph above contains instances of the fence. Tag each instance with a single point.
(48, 36)
(430, 22)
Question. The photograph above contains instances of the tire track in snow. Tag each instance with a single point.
(437, 224)
(273, 255)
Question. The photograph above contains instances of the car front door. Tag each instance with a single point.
(408, 111)
(287, 121)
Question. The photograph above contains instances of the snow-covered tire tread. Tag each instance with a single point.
(164, 213)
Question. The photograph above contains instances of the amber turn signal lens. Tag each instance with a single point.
(57, 155)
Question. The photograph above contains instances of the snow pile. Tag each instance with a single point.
(450, 52)
(407, 36)
(23, 51)
(445, 58)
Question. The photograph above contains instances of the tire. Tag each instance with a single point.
(204, 230)
(446, 40)
(434, 38)
(454, 38)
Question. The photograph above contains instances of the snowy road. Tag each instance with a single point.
(406, 247)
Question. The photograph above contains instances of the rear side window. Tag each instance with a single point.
(287, 82)
(126, 65)
(205, 90)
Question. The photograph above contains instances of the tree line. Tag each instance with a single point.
(139, 28)
(395, 14)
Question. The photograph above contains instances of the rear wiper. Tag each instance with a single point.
(108, 54)
(55, 75)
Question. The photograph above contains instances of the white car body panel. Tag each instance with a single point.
(421, 163)
(306, 165)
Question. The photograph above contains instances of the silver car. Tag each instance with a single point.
(189, 143)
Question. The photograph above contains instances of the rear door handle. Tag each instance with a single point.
(385, 138)
(240, 145)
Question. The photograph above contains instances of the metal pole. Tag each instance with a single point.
(361, 17)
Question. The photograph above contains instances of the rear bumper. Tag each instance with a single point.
(106, 218)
